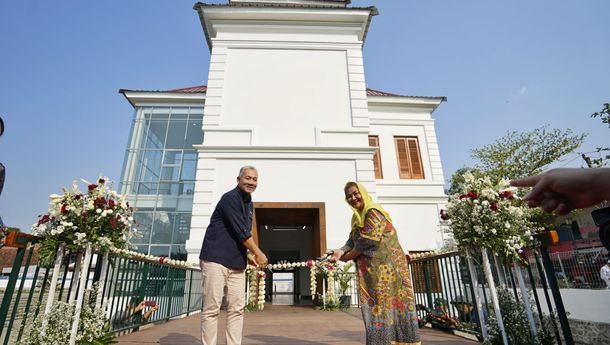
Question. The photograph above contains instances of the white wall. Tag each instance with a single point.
(284, 95)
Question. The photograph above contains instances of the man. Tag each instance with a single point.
(223, 259)
(604, 273)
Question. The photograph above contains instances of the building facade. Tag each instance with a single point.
(286, 93)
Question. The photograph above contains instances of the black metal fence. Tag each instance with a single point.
(165, 291)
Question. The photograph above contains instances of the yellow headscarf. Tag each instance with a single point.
(358, 217)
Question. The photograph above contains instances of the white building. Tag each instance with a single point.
(287, 93)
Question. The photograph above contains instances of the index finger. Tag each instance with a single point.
(526, 182)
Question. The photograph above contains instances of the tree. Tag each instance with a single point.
(604, 115)
(517, 154)
(456, 182)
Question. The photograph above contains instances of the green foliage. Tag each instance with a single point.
(516, 324)
(601, 160)
(519, 154)
(604, 114)
(93, 329)
(457, 181)
(47, 250)
(344, 276)
(332, 304)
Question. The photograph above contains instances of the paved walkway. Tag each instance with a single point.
(280, 325)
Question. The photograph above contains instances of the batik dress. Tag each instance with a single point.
(385, 289)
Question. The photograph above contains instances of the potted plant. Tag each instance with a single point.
(344, 276)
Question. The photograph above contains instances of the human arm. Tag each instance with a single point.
(235, 214)
(367, 238)
(562, 190)
(259, 257)
(147, 314)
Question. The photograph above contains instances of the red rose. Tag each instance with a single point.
(113, 223)
(463, 196)
(99, 202)
(472, 195)
(162, 259)
(493, 206)
(101, 181)
(63, 209)
(309, 263)
(44, 219)
(444, 215)
(91, 187)
(111, 204)
(77, 196)
(507, 195)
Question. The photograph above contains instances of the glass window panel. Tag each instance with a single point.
(151, 165)
(194, 133)
(155, 135)
(187, 188)
(147, 112)
(142, 249)
(162, 228)
(160, 112)
(159, 251)
(168, 188)
(172, 157)
(147, 188)
(175, 135)
(182, 227)
(196, 112)
(179, 113)
(189, 166)
(178, 253)
(144, 225)
(170, 173)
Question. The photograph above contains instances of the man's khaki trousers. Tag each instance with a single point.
(215, 277)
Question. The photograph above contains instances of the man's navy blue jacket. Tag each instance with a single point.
(230, 225)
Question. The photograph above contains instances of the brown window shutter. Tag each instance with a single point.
(374, 142)
(409, 159)
(417, 171)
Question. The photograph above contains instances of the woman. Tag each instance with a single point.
(386, 293)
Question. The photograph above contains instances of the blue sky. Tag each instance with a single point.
(511, 65)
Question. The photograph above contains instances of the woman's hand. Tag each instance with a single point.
(336, 255)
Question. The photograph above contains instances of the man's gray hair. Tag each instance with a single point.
(244, 168)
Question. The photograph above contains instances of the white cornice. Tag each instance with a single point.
(426, 103)
(137, 98)
(294, 2)
(283, 20)
(285, 152)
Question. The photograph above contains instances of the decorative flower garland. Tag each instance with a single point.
(256, 280)
(152, 259)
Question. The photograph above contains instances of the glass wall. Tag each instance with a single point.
(159, 176)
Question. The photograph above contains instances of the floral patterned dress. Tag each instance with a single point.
(385, 289)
